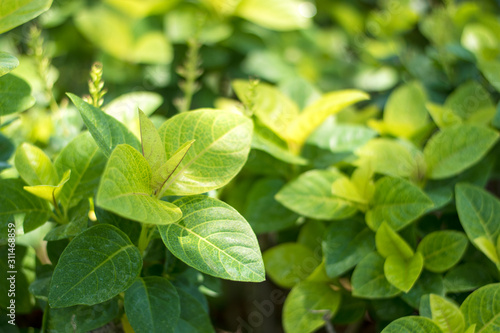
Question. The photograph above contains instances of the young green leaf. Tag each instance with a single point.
(482, 308)
(403, 272)
(125, 189)
(14, 13)
(390, 243)
(86, 162)
(446, 314)
(106, 130)
(311, 195)
(221, 148)
(97, 265)
(368, 279)
(412, 324)
(346, 243)
(289, 263)
(34, 166)
(456, 148)
(7, 63)
(308, 305)
(215, 239)
(166, 170)
(397, 202)
(152, 146)
(49, 192)
(152, 305)
(477, 210)
(442, 249)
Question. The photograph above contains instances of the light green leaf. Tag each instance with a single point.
(152, 305)
(472, 103)
(456, 148)
(389, 243)
(467, 277)
(397, 202)
(137, 8)
(307, 306)
(7, 63)
(289, 263)
(477, 210)
(313, 115)
(152, 146)
(412, 324)
(125, 189)
(340, 137)
(15, 13)
(491, 70)
(15, 94)
(166, 170)
(446, 315)
(34, 166)
(221, 148)
(346, 243)
(443, 116)
(106, 131)
(86, 162)
(97, 265)
(344, 188)
(369, 281)
(403, 273)
(311, 195)
(471, 329)
(273, 14)
(215, 239)
(442, 249)
(482, 308)
(49, 192)
(14, 200)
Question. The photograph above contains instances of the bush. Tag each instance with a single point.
(362, 161)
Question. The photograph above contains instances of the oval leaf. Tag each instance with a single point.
(15, 13)
(97, 265)
(442, 249)
(34, 167)
(412, 324)
(446, 314)
(403, 273)
(215, 239)
(15, 95)
(482, 308)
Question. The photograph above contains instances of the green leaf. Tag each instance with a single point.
(7, 63)
(467, 277)
(152, 305)
(34, 166)
(106, 130)
(446, 315)
(86, 162)
(97, 265)
(152, 146)
(215, 239)
(472, 103)
(346, 243)
(289, 263)
(307, 306)
(194, 317)
(125, 189)
(341, 137)
(369, 281)
(15, 95)
(491, 70)
(443, 116)
(442, 249)
(15, 200)
(456, 148)
(412, 324)
(166, 170)
(49, 192)
(15, 13)
(477, 210)
(310, 195)
(221, 148)
(482, 308)
(261, 209)
(389, 243)
(397, 202)
(403, 272)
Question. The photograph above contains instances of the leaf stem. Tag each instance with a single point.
(145, 237)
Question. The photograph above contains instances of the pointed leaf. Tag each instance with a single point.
(221, 148)
(34, 166)
(86, 162)
(49, 192)
(125, 189)
(442, 249)
(7, 63)
(403, 273)
(152, 305)
(482, 308)
(15, 13)
(307, 306)
(152, 146)
(446, 315)
(397, 202)
(456, 148)
(15, 94)
(390, 243)
(215, 239)
(166, 170)
(106, 130)
(412, 324)
(368, 279)
(311, 195)
(97, 265)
